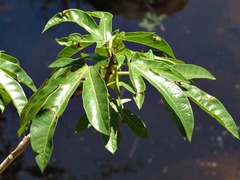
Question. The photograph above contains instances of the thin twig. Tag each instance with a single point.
(14, 154)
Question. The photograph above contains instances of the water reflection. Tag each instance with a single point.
(209, 39)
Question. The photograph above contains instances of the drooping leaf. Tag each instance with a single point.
(82, 124)
(137, 126)
(191, 71)
(14, 90)
(2, 105)
(112, 141)
(9, 58)
(44, 123)
(12, 67)
(139, 98)
(212, 106)
(139, 86)
(136, 80)
(175, 119)
(4, 99)
(42, 131)
(127, 85)
(172, 94)
(95, 101)
(149, 39)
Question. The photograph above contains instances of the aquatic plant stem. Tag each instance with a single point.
(15, 153)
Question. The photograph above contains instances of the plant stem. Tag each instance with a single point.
(111, 63)
(14, 154)
(123, 73)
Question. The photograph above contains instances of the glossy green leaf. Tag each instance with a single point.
(172, 94)
(149, 39)
(139, 98)
(175, 118)
(68, 51)
(9, 58)
(80, 17)
(212, 106)
(44, 123)
(4, 99)
(2, 104)
(95, 101)
(105, 24)
(191, 71)
(38, 99)
(14, 90)
(135, 124)
(11, 66)
(159, 67)
(169, 61)
(112, 141)
(42, 131)
(127, 85)
(76, 39)
(139, 86)
(62, 62)
(34, 104)
(82, 124)
(136, 80)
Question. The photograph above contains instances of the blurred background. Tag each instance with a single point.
(205, 33)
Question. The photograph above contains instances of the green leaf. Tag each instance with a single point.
(161, 67)
(82, 124)
(63, 62)
(2, 105)
(139, 86)
(127, 85)
(149, 39)
(139, 98)
(68, 51)
(42, 131)
(112, 141)
(4, 99)
(173, 95)
(84, 20)
(212, 106)
(44, 123)
(11, 66)
(105, 24)
(14, 90)
(9, 58)
(34, 104)
(175, 119)
(135, 124)
(95, 101)
(191, 71)
(169, 61)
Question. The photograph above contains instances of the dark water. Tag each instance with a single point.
(205, 33)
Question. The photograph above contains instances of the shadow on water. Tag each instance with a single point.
(209, 39)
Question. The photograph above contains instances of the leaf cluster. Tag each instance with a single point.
(99, 78)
